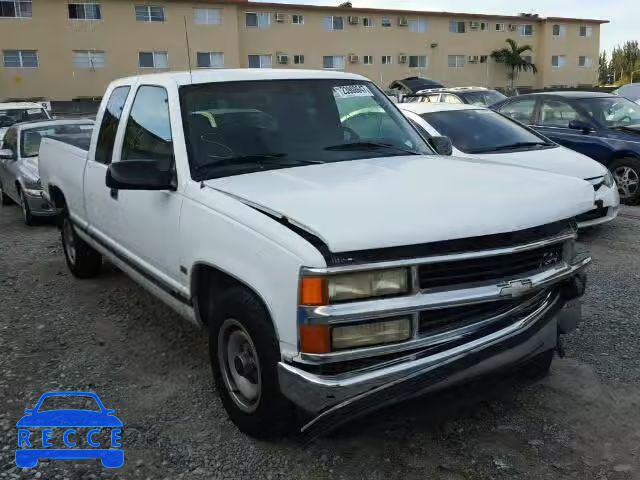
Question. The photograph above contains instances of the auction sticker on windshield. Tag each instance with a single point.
(352, 91)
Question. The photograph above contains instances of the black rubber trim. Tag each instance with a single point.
(152, 278)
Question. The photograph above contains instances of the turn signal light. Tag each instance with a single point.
(315, 339)
(313, 291)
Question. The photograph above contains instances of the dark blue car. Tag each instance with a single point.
(602, 126)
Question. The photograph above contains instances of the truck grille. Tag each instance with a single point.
(498, 267)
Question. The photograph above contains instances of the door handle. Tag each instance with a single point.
(114, 194)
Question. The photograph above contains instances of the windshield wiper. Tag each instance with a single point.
(511, 146)
(243, 160)
(634, 128)
(359, 146)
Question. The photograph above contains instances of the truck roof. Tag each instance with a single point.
(46, 123)
(241, 74)
(18, 105)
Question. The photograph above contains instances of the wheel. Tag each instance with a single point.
(82, 259)
(538, 367)
(244, 356)
(626, 172)
(26, 211)
(4, 199)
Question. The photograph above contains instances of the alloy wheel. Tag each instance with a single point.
(628, 181)
(69, 241)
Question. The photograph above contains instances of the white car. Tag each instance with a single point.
(16, 112)
(477, 132)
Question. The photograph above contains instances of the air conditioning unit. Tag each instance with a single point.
(473, 58)
(279, 17)
(282, 58)
(403, 22)
(353, 20)
(402, 58)
(484, 58)
(512, 27)
(353, 58)
(474, 25)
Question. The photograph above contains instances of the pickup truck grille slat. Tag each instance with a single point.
(495, 268)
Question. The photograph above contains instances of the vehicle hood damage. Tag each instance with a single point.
(397, 201)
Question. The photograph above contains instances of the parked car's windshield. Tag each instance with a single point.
(483, 97)
(241, 127)
(17, 115)
(612, 111)
(77, 134)
(482, 131)
(65, 402)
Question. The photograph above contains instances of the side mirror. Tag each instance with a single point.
(141, 175)
(7, 154)
(442, 145)
(580, 125)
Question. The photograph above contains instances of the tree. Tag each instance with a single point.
(631, 54)
(345, 5)
(511, 57)
(603, 69)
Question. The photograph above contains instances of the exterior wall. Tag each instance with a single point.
(121, 37)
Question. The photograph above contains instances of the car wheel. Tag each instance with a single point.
(244, 354)
(82, 259)
(538, 367)
(4, 199)
(26, 211)
(626, 172)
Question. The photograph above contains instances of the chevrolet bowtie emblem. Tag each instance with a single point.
(515, 288)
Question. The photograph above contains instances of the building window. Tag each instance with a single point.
(525, 30)
(500, 27)
(455, 61)
(385, 22)
(149, 13)
(457, 27)
(297, 19)
(387, 60)
(258, 20)
(559, 30)
(367, 22)
(207, 16)
(584, 61)
(558, 61)
(417, 26)
(153, 60)
(417, 61)
(586, 31)
(298, 59)
(88, 59)
(367, 59)
(15, 9)
(334, 23)
(84, 11)
(333, 62)
(210, 59)
(260, 61)
(20, 58)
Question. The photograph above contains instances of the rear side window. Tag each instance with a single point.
(109, 125)
(148, 133)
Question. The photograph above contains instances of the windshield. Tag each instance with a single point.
(17, 115)
(483, 98)
(66, 402)
(482, 131)
(612, 111)
(241, 127)
(76, 134)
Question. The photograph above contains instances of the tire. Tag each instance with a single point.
(4, 199)
(626, 172)
(27, 217)
(241, 317)
(538, 367)
(82, 259)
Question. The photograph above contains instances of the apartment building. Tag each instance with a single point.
(70, 49)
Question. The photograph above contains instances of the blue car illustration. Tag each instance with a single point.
(29, 442)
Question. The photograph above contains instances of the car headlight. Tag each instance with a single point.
(609, 181)
(369, 334)
(30, 184)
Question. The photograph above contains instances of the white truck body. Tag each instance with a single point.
(269, 229)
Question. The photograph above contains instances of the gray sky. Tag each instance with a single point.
(623, 14)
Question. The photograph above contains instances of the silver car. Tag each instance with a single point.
(19, 176)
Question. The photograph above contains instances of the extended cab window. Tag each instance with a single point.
(109, 125)
(148, 131)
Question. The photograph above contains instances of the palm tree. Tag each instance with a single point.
(511, 57)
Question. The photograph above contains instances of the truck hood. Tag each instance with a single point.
(557, 160)
(395, 201)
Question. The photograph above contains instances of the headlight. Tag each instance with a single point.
(369, 334)
(32, 184)
(609, 181)
(353, 286)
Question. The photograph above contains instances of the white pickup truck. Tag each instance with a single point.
(305, 222)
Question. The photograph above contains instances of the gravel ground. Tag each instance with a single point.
(109, 336)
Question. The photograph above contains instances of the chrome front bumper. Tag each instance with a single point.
(39, 206)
